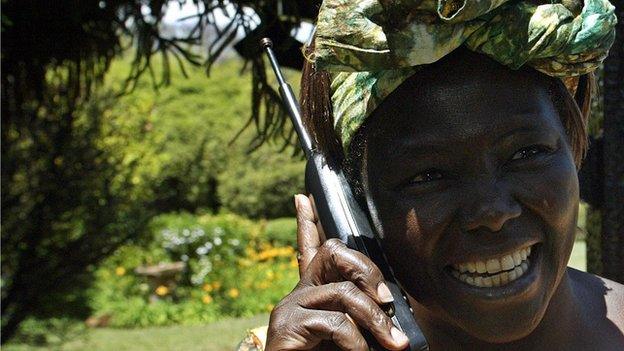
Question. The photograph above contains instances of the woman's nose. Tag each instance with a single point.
(489, 205)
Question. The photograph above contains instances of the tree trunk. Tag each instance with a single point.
(612, 241)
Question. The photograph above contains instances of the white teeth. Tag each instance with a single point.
(504, 278)
(493, 266)
(487, 282)
(481, 267)
(516, 258)
(507, 262)
(496, 280)
(493, 272)
(472, 267)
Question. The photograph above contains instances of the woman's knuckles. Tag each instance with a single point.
(345, 290)
(357, 295)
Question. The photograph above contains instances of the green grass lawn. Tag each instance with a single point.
(222, 335)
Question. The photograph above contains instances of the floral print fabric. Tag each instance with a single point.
(372, 46)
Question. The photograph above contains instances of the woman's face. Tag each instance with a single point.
(476, 193)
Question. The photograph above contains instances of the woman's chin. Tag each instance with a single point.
(496, 331)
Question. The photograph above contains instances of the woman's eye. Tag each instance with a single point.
(529, 152)
(426, 176)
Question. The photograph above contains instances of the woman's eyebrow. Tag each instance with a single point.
(432, 147)
(523, 130)
(408, 147)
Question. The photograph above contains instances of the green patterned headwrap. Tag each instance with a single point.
(372, 46)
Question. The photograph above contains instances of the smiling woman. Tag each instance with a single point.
(468, 169)
(492, 231)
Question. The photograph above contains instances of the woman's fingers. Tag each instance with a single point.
(308, 240)
(335, 262)
(314, 327)
(339, 290)
(347, 297)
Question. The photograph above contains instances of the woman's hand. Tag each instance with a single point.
(339, 292)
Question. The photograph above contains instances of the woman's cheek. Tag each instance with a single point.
(414, 229)
(553, 196)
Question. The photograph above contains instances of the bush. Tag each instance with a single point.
(175, 137)
(235, 267)
(282, 231)
(180, 144)
(205, 243)
(49, 332)
(262, 184)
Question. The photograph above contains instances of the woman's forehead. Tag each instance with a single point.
(466, 96)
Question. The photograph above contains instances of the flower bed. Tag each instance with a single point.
(234, 267)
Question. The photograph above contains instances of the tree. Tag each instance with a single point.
(64, 205)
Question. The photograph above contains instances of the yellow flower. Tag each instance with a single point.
(269, 307)
(216, 285)
(244, 262)
(293, 263)
(207, 287)
(233, 293)
(270, 274)
(162, 290)
(120, 271)
(263, 285)
(206, 299)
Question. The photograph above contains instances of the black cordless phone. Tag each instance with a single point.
(342, 217)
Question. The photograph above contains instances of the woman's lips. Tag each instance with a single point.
(493, 272)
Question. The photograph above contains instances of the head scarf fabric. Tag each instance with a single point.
(372, 46)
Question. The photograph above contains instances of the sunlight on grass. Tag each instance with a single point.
(218, 336)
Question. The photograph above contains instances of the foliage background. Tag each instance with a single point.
(175, 150)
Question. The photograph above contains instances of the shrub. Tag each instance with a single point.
(206, 243)
(262, 184)
(235, 267)
(282, 231)
(49, 332)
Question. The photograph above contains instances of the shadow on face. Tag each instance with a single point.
(476, 193)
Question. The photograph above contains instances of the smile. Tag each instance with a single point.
(494, 272)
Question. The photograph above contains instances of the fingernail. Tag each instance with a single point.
(297, 202)
(384, 293)
(399, 337)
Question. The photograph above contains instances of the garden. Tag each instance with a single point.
(215, 228)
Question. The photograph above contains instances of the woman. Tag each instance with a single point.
(466, 160)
